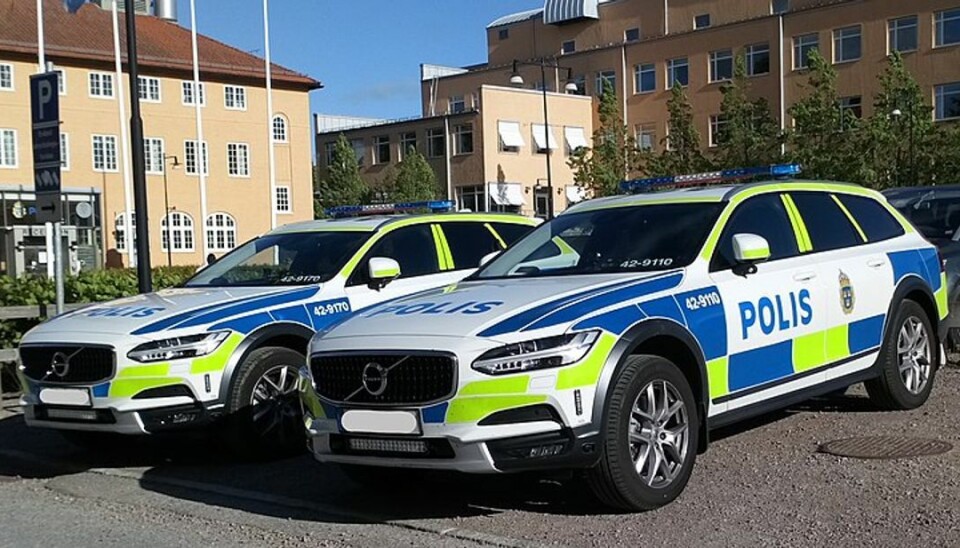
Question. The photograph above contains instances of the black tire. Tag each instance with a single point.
(258, 432)
(615, 480)
(889, 391)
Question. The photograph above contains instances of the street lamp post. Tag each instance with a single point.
(571, 87)
(897, 114)
(166, 203)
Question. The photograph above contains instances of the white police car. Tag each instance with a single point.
(230, 342)
(616, 336)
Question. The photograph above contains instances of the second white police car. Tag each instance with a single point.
(615, 337)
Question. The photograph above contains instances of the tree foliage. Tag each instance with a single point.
(749, 134)
(342, 184)
(414, 180)
(682, 152)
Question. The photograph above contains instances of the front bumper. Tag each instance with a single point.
(136, 422)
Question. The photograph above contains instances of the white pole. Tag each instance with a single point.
(783, 99)
(271, 152)
(40, 47)
(200, 148)
(128, 231)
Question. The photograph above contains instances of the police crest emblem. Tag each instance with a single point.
(847, 297)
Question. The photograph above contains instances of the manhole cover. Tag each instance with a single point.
(885, 447)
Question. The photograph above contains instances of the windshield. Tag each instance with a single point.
(627, 239)
(935, 217)
(283, 259)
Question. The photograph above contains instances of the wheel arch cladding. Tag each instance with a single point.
(667, 339)
(293, 336)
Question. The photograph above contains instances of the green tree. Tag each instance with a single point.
(749, 135)
(414, 181)
(681, 148)
(343, 184)
(945, 165)
(614, 155)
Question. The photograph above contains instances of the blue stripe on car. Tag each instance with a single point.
(249, 306)
(616, 321)
(924, 263)
(865, 334)
(245, 324)
(760, 365)
(706, 320)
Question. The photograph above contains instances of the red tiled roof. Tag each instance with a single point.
(88, 36)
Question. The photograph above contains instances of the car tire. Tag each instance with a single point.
(637, 428)
(263, 415)
(907, 362)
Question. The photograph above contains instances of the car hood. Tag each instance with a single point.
(501, 309)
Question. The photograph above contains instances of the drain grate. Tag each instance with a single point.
(884, 447)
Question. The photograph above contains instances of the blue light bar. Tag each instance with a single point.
(778, 171)
(435, 206)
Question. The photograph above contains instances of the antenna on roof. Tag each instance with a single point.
(433, 206)
(726, 176)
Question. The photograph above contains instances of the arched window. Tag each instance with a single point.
(279, 129)
(221, 232)
(179, 225)
(121, 230)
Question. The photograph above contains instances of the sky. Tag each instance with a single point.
(367, 53)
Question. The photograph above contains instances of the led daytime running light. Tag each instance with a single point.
(177, 348)
(537, 354)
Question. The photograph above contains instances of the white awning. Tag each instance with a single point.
(506, 194)
(575, 138)
(540, 137)
(576, 194)
(510, 134)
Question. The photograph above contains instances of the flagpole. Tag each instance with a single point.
(270, 114)
(128, 230)
(200, 143)
(41, 51)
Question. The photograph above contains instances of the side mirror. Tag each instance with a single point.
(382, 271)
(748, 250)
(489, 257)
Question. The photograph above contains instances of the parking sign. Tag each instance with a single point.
(45, 117)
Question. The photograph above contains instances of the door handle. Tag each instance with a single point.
(804, 276)
(876, 263)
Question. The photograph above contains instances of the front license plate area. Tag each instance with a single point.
(73, 397)
(362, 421)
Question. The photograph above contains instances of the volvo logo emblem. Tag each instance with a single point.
(60, 364)
(374, 379)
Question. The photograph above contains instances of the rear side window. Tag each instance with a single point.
(413, 247)
(874, 219)
(511, 232)
(827, 224)
(764, 216)
(469, 242)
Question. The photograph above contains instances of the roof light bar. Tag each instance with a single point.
(711, 177)
(435, 206)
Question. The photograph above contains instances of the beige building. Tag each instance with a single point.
(238, 132)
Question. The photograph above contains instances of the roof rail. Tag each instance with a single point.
(726, 176)
(434, 206)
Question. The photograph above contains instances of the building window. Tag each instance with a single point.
(471, 198)
(645, 80)
(381, 149)
(510, 137)
(279, 129)
(947, 101)
(606, 77)
(153, 155)
(717, 125)
(779, 6)
(850, 106)
(282, 200)
(359, 150)
(902, 35)
(101, 85)
(65, 152)
(61, 81)
(6, 77)
(570, 46)
(408, 142)
(177, 229)
(721, 65)
(846, 44)
(235, 97)
(120, 230)
(701, 21)
(646, 135)
(105, 153)
(238, 159)
(436, 143)
(221, 232)
(631, 35)
(8, 148)
(678, 72)
(947, 27)
(457, 104)
(758, 59)
(503, 34)
(190, 158)
(328, 152)
(149, 89)
(188, 96)
(463, 139)
(802, 46)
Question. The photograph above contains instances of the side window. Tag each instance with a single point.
(469, 242)
(764, 216)
(413, 247)
(874, 219)
(827, 224)
(511, 232)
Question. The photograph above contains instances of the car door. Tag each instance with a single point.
(468, 243)
(857, 273)
(775, 317)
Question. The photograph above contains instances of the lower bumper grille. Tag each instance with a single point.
(385, 379)
(391, 447)
(68, 364)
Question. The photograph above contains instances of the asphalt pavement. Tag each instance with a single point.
(762, 482)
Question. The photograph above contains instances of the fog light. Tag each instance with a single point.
(388, 446)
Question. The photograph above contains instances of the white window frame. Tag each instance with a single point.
(154, 159)
(939, 18)
(626, 35)
(5, 162)
(205, 160)
(897, 24)
(605, 76)
(564, 50)
(101, 78)
(8, 68)
(672, 65)
(146, 87)
(642, 129)
(238, 160)
(64, 151)
(638, 71)
(432, 134)
(405, 143)
(225, 231)
(239, 97)
(186, 87)
(119, 228)
(61, 80)
(755, 50)
(184, 229)
(717, 56)
(280, 129)
(716, 124)
(104, 139)
(939, 93)
(379, 141)
(798, 46)
(839, 37)
(459, 131)
(456, 104)
(697, 25)
(282, 201)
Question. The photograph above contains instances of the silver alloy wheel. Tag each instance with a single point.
(659, 434)
(913, 355)
(275, 403)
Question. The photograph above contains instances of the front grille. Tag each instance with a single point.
(84, 364)
(411, 379)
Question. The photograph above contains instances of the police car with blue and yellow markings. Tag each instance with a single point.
(229, 343)
(616, 336)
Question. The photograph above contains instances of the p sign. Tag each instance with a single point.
(45, 117)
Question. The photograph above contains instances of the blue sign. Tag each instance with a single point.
(45, 118)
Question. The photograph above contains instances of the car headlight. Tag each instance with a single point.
(191, 346)
(537, 354)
